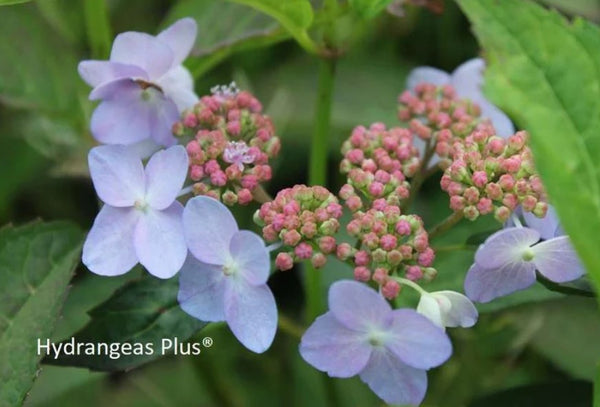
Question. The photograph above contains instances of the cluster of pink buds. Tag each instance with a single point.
(304, 219)
(436, 115)
(491, 174)
(378, 161)
(389, 243)
(231, 145)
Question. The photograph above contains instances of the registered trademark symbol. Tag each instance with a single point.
(207, 341)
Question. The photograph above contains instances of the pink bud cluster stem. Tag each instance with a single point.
(490, 174)
(305, 220)
(389, 244)
(378, 162)
(436, 114)
(230, 147)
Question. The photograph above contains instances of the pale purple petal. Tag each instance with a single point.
(142, 50)
(202, 290)
(251, 313)
(209, 227)
(163, 115)
(461, 313)
(180, 37)
(467, 79)
(118, 89)
(357, 306)
(117, 174)
(165, 173)
(546, 226)
(427, 74)
(484, 285)
(250, 256)
(331, 347)
(108, 249)
(121, 121)
(159, 241)
(416, 340)
(98, 72)
(145, 148)
(393, 381)
(557, 260)
(505, 246)
(178, 85)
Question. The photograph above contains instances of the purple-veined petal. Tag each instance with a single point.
(163, 115)
(108, 249)
(461, 311)
(251, 257)
(431, 308)
(557, 260)
(393, 381)
(159, 241)
(416, 340)
(142, 50)
(117, 174)
(330, 347)
(95, 73)
(467, 79)
(505, 246)
(119, 89)
(427, 74)
(546, 226)
(165, 173)
(178, 85)
(180, 37)
(202, 290)
(251, 313)
(483, 285)
(209, 227)
(357, 306)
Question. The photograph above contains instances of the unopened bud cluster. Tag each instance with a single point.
(305, 220)
(231, 145)
(389, 244)
(377, 162)
(435, 114)
(490, 174)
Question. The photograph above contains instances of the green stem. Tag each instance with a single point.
(445, 225)
(420, 177)
(290, 326)
(317, 174)
(563, 289)
(97, 25)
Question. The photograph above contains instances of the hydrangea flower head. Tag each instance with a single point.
(467, 80)
(305, 219)
(141, 219)
(508, 259)
(378, 161)
(232, 143)
(448, 309)
(490, 174)
(143, 86)
(390, 350)
(225, 277)
(390, 244)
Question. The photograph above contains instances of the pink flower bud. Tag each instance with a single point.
(380, 275)
(485, 206)
(343, 251)
(284, 261)
(362, 274)
(327, 244)
(414, 273)
(291, 237)
(390, 289)
(244, 196)
(303, 251)
(479, 179)
(361, 258)
(318, 260)
(388, 242)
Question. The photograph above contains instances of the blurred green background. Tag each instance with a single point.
(534, 348)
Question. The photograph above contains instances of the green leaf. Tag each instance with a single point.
(36, 264)
(9, 2)
(296, 16)
(145, 311)
(369, 8)
(578, 351)
(545, 72)
(239, 28)
(570, 393)
(98, 28)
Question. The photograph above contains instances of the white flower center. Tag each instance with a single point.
(528, 254)
(376, 337)
(140, 205)
(230, 268)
